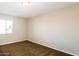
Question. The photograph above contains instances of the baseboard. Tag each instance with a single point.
(54, 48)
(12, 42)
(41, 44)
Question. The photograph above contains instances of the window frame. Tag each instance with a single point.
(6, 24)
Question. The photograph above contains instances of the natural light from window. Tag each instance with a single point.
(6, 26)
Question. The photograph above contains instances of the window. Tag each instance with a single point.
(6, 26)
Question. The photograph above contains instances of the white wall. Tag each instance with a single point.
(57, 29)
(19, 30)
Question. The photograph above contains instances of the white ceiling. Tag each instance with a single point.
(33, 9)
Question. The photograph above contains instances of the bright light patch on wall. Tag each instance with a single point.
(6, 26)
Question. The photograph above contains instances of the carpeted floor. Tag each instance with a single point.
(27, 48)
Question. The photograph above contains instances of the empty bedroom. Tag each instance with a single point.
(39, 28)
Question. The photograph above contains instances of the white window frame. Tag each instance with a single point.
(8, 27)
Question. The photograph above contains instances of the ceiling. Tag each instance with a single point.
(33, 9)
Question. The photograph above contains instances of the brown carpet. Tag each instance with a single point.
(27, 48)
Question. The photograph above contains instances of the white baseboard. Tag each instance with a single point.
(40, 44)
(55, 48)
(4, 43)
